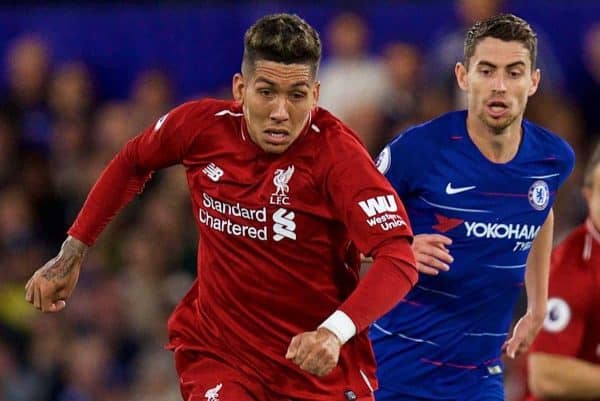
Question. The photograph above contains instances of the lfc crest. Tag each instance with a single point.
(212, 394)
(280, 180)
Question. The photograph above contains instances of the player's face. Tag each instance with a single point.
(277, 100)
(592, 196)
(498, 81)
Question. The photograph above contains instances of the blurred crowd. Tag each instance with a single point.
(56, 136)
(55, 139)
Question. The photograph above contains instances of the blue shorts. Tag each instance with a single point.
(491, 389)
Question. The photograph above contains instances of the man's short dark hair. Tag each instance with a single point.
(506, 27)
(282, 38)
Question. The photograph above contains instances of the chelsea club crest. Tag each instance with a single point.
(539, 195)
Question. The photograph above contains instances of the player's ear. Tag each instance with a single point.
(237, 88)
(586, 191)
(536, 76)
(461, 76)
(316, 91)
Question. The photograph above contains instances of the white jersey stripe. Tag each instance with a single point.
(229, 113)
(416, 340)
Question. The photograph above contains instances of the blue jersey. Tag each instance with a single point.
(444, 339)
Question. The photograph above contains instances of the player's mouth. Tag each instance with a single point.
(497, 108)
(276, 136)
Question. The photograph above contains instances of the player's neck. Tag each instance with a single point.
(593, 227)
(498, 147)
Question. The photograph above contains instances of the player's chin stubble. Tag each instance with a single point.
(497, 127)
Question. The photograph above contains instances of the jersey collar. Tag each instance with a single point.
(592, 230)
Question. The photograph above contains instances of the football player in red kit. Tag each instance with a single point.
(284, 197)
(564, 363)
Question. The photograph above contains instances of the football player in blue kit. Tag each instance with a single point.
(479, 187)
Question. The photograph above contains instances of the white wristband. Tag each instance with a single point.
(341, 325)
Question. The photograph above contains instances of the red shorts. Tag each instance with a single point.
(205, 377)
(210, 371)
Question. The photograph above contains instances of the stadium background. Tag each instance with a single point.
(78, 80)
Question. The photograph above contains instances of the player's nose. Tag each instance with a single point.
(499, 83)
(279, 112)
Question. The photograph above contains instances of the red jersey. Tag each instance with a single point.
(572, 326)
(276, 254)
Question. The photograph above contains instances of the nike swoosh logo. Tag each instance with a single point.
(454, 191)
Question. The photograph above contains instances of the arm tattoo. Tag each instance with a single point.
(62, 265)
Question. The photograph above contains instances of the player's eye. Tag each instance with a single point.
(515, 73)
(298, 95)
(485, 72)
(265, 92)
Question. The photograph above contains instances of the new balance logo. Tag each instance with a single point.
(213, 172)
(378, 205)
(284, 226)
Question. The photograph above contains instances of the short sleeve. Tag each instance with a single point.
(567, 161)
